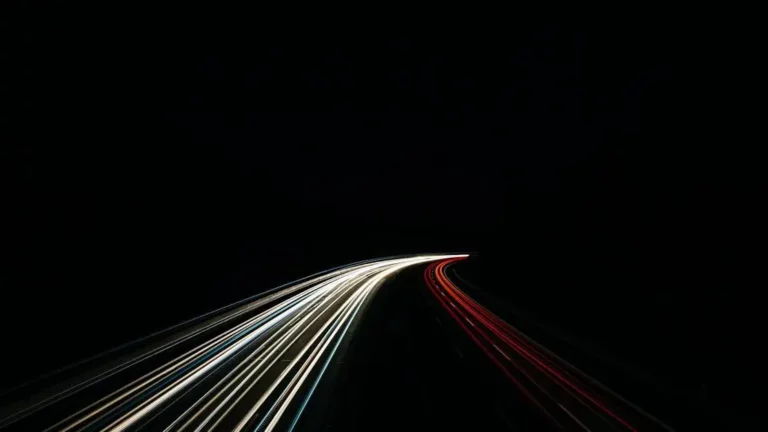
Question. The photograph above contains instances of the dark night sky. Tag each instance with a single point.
(197, 166)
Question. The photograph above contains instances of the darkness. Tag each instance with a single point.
(160, 176)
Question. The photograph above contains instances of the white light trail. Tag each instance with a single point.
(254, 361)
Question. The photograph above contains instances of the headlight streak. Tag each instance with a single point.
(227, 338)
(250, 364)
(146, 407)
(258, 301)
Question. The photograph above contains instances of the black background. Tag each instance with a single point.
(164, 172)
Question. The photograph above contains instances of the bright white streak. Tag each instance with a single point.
(365, 290)
(158, 399)
(264, 368)
(322, 293)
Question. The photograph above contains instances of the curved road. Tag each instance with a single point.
(446, 363)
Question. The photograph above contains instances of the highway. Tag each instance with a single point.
(561, 394)
(252, 365)
(312, 355)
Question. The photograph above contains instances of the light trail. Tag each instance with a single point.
(253, 365)
(562, 393)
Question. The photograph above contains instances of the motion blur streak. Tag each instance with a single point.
(565, 395)
(250, 366)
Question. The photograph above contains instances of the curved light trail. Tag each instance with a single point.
(566, 396)
(251, 366)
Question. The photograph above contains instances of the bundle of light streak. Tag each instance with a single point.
(565, 395)
(253, 365)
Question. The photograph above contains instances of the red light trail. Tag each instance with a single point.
(563, 394)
